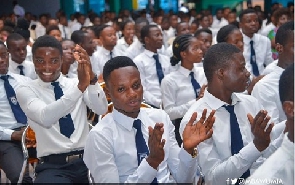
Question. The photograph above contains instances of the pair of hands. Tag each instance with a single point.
(85, 73)
(193, 134)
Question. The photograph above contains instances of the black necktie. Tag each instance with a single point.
(111, 55)
(65, 123)
(17, 111)
(21, 70)
(195, 84)
(142, 149)
(253, 60)
(236, 136)
(159, 68)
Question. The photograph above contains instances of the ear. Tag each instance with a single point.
(279, 48)
(106, 90)
(182, 54)
(146, 40)
(220, 73)
(288, 107)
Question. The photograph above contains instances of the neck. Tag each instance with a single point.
(154, 50)
(187, 65)
(129, 114)
(18, 62)
(290, 134)
(282, 64)
(220, 93)
(109, 48)
(250, 35)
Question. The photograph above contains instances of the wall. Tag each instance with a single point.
(36, 7)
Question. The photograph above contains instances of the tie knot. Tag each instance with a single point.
(251, 42)
(191, 74)
(20, 67)
(229, 108)
(137, 124)
(156, 57)
(4, 77)
(55, 84)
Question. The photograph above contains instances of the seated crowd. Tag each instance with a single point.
(208, 99)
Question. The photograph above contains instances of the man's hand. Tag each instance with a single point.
(258, 128)
(201, 94)
(17, 135)
(156, 145)
(194, 134)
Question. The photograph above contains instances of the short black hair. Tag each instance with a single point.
(116, 63)
(244, 12)
(181, 43)
(199, 31)
(284, 32)
(51, 28)
(78, 36)
(224, 32)
(286, 84)
(13, 37)
(100, 29)
(145, 31)
(218, 56)
(46, 41)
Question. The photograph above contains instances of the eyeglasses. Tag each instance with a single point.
(4, 55)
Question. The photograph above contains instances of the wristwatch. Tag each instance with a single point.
(195, 153)
(94, 79)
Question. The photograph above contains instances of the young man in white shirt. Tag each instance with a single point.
(137, 145)
(56, 111)
(152, 65)
(17, 47)
(41, 25)
(279, 167)
(237, 144)
(12, 121)
(108, 38)
(266, 91)
(257, 48)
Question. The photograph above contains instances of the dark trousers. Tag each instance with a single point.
(71, 172)
(177, 134)
(11, 161)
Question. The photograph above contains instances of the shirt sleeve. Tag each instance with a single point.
(169, 103)
(43, 113)
(95, 99)
(5, 134)
(268, 55)
(218, 170)
(100, 160)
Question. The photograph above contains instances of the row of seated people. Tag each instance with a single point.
(47, 103)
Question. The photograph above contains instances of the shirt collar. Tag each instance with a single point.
(105, 51)
(125, 121)
(149, 53)
(14, 65)
(184, 71)
(248, 39)
(215, 103)
(8, 73)
(48, 84)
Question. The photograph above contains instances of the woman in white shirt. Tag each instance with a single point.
(181, 88)
(128, 31)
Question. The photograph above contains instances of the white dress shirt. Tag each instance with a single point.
(111, 155)
(122, 45)
(100, 57)
(7, 119)
(148, 73)
(217, 24)
(76, 26)
(262, 49)
(271, 67)
(215, 158)
(65, 31)
(37, 99)
(265, 30)
(266, 91)
(279, 167)
(169, 51)
(177, 90)
(134, 49)
(29, 56)
(28, 68)
(40, 30)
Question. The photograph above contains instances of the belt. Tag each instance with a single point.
(62, 158)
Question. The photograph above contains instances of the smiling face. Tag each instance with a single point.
(125, 89)
(4, 60)
(47, 61)
(18, 50)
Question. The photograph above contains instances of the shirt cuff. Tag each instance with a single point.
(95, 88)
(250, 152)
(146, 172)
(186, 158)
(7, 134)
(75, 94)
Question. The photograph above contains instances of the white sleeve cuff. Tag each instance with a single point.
(7, 134)
(146, 172)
